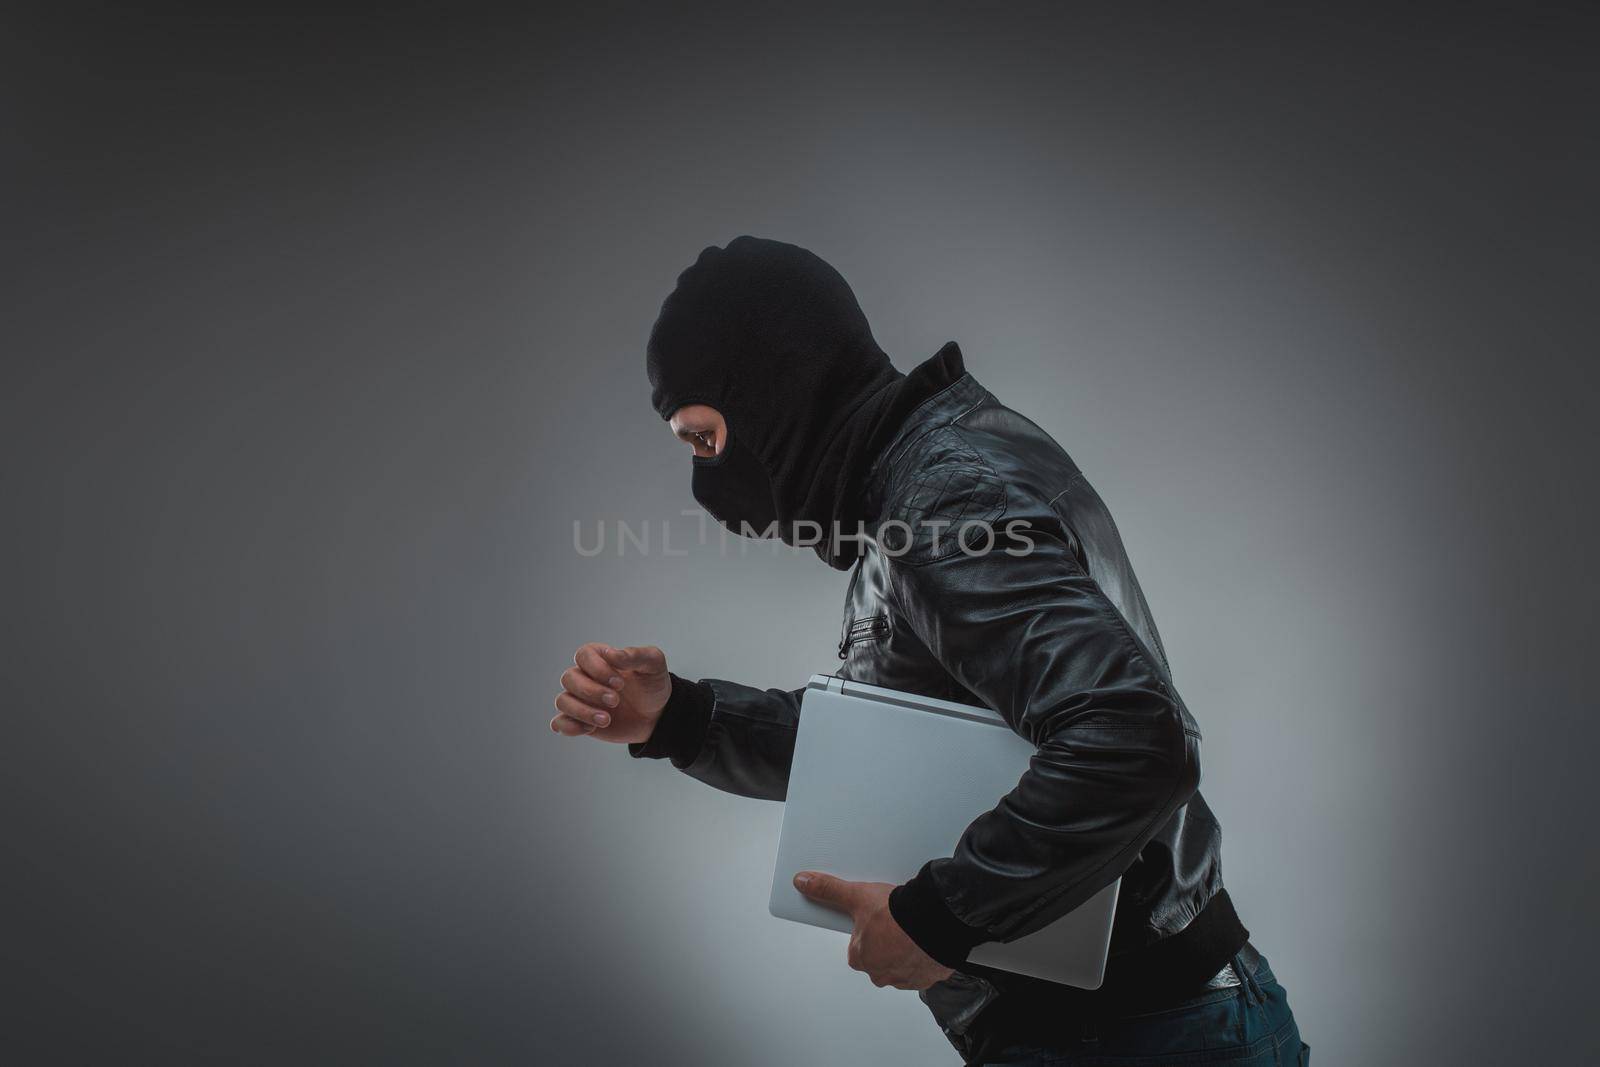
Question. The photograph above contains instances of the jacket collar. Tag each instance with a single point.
(949, 403)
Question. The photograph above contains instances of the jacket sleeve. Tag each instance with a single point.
(731, 736)
(1037, 640)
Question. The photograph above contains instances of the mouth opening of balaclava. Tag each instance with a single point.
(772, 337)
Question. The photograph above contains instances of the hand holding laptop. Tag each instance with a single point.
(878, 946)
(880, 782)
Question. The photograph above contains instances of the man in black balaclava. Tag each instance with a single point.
(762, 361)
(771, 337)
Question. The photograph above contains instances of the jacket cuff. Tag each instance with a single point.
(680, 733)
(922, 913)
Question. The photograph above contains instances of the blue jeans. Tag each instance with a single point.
(1248, 1024)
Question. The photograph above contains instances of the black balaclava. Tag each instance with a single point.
(772, 337)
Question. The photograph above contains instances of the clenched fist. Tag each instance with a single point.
(616, 694)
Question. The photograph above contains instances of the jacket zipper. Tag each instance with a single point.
(859, 630)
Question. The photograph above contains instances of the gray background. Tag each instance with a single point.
(321, 333)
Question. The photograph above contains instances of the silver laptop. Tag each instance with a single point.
(882, 782)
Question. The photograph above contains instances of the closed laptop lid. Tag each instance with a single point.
(882, 782)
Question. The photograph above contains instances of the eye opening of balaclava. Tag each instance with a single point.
(735, 488)
(772, 337)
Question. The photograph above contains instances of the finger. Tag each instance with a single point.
(646, 659)
(590, 661)
(573, 708)
(567, 726)
(587, 690)
(852, 955)
(826, 889)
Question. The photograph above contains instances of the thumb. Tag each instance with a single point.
(646, 659)
(827, 889)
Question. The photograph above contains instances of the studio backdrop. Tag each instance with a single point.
(325, 367)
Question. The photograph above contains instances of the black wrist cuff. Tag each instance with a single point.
(922, 913)
(680, 733)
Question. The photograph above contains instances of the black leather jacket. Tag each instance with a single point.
(1058, 640)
